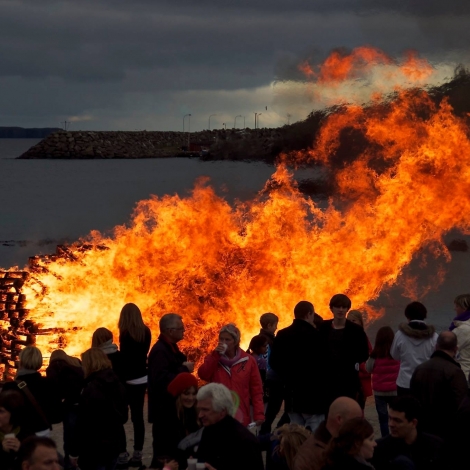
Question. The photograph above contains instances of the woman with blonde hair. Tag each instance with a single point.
(102, 412)
(290, 437)
(134, 343)
(42, 402)
(229, 365)
(103, 338)
(461, 327)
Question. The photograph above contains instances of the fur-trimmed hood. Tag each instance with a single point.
(417, 330)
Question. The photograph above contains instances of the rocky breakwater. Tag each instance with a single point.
(120, 144)
(230, 144)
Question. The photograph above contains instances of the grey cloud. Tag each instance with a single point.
(97, 56)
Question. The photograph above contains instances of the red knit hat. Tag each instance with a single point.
(181, 382)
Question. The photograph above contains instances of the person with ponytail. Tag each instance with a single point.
(134, 343)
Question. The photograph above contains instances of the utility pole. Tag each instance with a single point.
(235, 121)
(65, 124)
(288, 118)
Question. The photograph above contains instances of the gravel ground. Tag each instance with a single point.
(370, 413)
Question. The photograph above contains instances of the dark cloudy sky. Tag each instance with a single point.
(144, 64)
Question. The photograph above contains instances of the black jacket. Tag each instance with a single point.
(440, 386)
(67, 380)
(228, 445)
(296, 357)
(270, 337)
(102, 412)
(47, 397)
(425, 452)
(347, 462)
(165, 363)
(134, 355)
(342, 377)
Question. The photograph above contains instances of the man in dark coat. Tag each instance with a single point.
(165, 362)
(225, 444)
(440, 386)
(406, 446)
(295, 356)
(346, 347)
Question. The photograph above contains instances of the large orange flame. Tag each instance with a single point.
(215, 263)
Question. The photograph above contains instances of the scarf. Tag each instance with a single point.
(227, 362)
(14, 431)
(108, 347)
(464, 316)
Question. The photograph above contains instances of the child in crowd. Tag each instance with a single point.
(384, 371)
(258, 348)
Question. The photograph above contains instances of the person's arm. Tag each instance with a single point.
(160, 370)
(362, 347)
(256, 392)
(370, 365)
(277, 355)
(207, 370)
(395, 348)
(459, 388)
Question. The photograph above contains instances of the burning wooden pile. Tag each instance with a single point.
(16, 330)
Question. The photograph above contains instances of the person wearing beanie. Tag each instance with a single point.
(229, 365)
(183, 421)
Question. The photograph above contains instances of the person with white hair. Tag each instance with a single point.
(225, 444)
(229, 365)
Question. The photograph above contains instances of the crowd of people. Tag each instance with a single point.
(322, 370)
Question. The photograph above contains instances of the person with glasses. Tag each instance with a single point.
(165, 362)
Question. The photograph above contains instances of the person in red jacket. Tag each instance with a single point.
(229, 365)
(384, 371)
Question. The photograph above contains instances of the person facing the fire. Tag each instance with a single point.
(346, 347)
(165, 362)
(134, 342)
(229, 365)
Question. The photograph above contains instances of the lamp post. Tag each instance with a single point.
(225, 125)
(235, 121)
(189, 126)
(244, 127)
(259, 114)
(210, 120)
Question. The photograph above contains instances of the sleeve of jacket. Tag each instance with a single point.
(459, 388)
(395, 348)
(208, 368)
(277, 355)
(159, 369)
(256, 391)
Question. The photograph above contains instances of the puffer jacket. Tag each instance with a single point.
(243, 378)
(384, 373)
(462, 331)
(413, 344)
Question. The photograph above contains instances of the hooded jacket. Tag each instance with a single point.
(413, 344)
(243, 378)
(462, 331)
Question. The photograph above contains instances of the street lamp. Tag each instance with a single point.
(259, 114)
(184, 117)
(210, 120)
(189, 126)
(225, 125)
(235, 121)
(244, 127)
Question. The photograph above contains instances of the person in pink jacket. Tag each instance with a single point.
(229, 365)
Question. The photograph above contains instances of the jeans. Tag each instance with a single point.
(135, 398)
(69, 427)
(309, 421)
(275, 389)
(381, 403)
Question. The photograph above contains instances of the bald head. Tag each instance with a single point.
(447, 342)
(341, 410)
